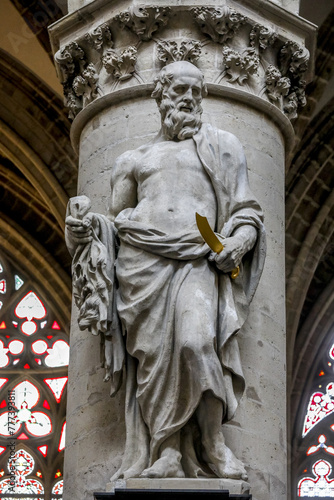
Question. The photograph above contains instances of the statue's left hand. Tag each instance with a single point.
(230, 257)
(235, 247)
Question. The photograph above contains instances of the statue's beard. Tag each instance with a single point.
(177, 124)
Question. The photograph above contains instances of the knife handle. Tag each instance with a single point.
(235, 272)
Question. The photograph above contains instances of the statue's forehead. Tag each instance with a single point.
(190, 78)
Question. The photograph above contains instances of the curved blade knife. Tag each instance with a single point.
(211, 239)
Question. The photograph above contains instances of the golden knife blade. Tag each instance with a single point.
(211, 239)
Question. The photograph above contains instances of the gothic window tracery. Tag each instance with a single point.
(34, 355)
(316, 479)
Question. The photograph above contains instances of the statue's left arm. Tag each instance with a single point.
(240, 217)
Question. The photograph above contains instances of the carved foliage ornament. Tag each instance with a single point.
(144, 21)
(240, 66)
(79, 79)
(170, 51)
(120, 66)
(293, 59)
(71, 60)
(283, 83)
(276, 85)
(262, 37)
(220, 24)
(86, 85)
(99, 37)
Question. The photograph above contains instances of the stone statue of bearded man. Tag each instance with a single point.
(173, 316)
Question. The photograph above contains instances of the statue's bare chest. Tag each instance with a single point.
(169, 159)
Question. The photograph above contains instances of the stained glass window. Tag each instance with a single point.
(320, 485)
(34, 355)
(316, 443)
(20, 467)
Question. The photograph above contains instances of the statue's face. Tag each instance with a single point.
(185, 92)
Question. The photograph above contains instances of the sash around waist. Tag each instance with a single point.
(187, 246)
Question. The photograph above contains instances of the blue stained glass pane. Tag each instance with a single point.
(18, 282)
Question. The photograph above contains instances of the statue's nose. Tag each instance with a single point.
(188, 95)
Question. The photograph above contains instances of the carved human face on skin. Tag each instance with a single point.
(179, 91)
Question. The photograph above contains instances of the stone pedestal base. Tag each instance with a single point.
(234, 486)
(165, 489)
(174, 488)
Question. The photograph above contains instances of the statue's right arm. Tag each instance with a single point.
(123, 184)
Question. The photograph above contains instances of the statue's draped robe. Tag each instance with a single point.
(180, 315)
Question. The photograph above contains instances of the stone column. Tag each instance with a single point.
(254, 58)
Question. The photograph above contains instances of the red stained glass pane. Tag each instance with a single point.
(26, 366)
(3, 286)
(49, 336)
(43, 449)
(22, 436)
(3, 404)
(46, 405)
(57, 386)
(3, 325)
(55, 326)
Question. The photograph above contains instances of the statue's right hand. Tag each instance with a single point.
(79, 231)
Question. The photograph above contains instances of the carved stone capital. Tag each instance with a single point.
(232, 46)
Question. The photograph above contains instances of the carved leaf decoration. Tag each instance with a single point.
(220, 24)
(72, 102)
(144, 21)
(293, 59)
(169, 51)
(99, 37)
(291, 105)
(86, 84)
(262, 37)
(239, 67)
(120, 66)
(276, 85)
(71, 60)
